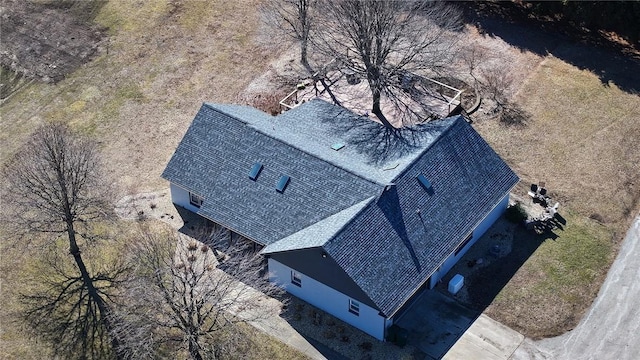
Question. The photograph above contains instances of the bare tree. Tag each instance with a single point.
(494, 81)
(53, 187)
(191, 296)
(390, 44)
(294, 18)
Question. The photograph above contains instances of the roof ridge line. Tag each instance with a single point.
(438, 138)
(209, 105)
(366, 202)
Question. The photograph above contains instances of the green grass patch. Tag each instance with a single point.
(138, 15)
(576, 259)
(555, 286)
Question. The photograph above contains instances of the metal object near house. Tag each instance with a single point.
(456, 283)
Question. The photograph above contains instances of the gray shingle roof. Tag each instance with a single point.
(214, 159)
(319, 233)
(335, 199)
(369, 150)
(389, 249)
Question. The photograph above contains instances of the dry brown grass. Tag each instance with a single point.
(163, 59)
(581, 140)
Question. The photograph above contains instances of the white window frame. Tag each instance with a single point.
(354, 307)
(296, 278)
(195, 199)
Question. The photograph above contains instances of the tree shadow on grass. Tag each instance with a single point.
(610, 62)
(514, 116)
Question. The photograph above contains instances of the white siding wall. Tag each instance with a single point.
(329, 300)
(477, 234)
(180, 196)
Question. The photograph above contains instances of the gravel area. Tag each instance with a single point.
(340, 336)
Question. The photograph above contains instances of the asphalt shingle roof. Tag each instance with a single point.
(392, 246)
(319, 233)
(370, 150)
(214, 159)
(389, 242)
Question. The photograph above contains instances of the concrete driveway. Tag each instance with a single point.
(443, 328)
(435, 322)
(611, 328)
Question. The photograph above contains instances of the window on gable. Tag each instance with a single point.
(354, 307)
(195, 200)
(463, 244)
(296, 279)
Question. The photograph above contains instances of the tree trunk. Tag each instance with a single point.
(303, 55)
(194, 349)
(375, 106)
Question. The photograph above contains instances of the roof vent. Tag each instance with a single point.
(255, 171)
(425, 182)
(337, 146)
(282, 183)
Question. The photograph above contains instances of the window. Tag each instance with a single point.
(296, 279)
(195, 200)
(463, 244)
(354, 307)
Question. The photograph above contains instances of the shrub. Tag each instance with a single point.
(515, 214)
(366, 346)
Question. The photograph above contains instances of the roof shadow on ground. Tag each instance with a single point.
(497, 256)
(319, 328)
(193, 223)
(435, 322)
(608, 61)
(437, 319)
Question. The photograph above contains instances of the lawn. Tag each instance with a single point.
(581, 139)
(553, 286)
(163, 59)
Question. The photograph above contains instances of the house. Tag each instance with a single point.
(353, 218)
